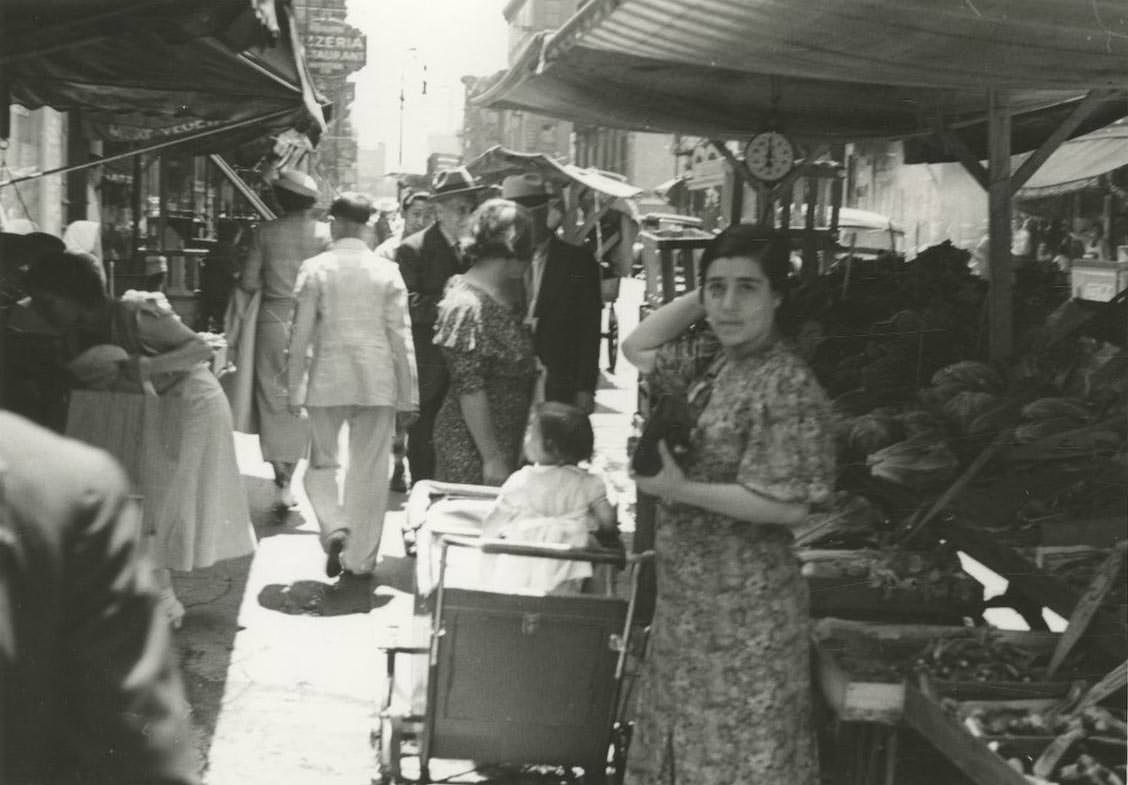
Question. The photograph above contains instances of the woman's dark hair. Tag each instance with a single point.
(291, 202)
(70, 274)
(565, 431)
(765, 245)
(500, 228)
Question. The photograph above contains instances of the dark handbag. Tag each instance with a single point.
(670, 419)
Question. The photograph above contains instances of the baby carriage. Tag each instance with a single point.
(525, 686)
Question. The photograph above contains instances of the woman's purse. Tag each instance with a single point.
(670, 419)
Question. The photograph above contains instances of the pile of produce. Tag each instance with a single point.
(985, 657)
(929, 575)
(1049, 746)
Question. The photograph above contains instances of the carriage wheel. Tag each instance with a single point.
(612, 338)
(391, 744)
(620, 743)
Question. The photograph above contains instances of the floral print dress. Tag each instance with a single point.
(725, 691)
(488, 347)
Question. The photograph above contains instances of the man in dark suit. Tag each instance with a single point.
(427, 260)
(566, 302)
(89, 688)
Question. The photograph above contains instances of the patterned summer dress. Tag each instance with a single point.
(725, 691)
(486, 346)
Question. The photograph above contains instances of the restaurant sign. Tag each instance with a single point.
(334, 48)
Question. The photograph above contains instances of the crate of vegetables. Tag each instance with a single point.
(862, 666)
(1032, 741)
(891, 584)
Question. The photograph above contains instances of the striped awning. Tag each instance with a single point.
(1079, 163)
(846, 70)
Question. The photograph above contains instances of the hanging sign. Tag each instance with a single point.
(334, 48)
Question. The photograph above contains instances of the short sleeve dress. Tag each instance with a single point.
(725, 692)
(488, 347)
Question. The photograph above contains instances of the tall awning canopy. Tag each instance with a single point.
(218, 72)
(1079, 163)
(847, 70)
(497, 163)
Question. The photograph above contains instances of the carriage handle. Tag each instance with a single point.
(612, 556)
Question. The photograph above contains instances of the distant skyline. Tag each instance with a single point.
(409, 40)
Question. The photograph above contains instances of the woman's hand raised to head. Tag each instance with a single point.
(668, 482)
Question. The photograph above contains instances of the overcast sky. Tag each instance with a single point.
(451, 38)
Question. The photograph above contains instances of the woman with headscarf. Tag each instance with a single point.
(185, 464)
(276, 253)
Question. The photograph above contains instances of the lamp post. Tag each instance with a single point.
(411, 54)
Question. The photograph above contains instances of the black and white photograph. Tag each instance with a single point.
(564, 392)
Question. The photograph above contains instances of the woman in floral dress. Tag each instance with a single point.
(488, 349)
(725, 694)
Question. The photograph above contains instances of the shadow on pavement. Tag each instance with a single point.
(397, 572)
(204, 643)
(315, 598)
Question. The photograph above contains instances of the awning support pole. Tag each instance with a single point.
(1001, 321)
(242, 187)
(1079, 114)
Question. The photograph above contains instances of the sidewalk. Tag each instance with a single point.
(282, 668)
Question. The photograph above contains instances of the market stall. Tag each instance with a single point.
(1018, 463)
(158, 94)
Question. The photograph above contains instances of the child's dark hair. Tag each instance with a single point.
(565, 431)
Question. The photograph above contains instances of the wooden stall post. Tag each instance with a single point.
(1001, 321)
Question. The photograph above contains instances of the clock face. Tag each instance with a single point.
(769, 156)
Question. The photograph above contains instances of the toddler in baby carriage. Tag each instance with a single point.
(551, 501)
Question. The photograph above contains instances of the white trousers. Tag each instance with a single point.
(360, 510)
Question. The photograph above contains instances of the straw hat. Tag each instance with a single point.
(298, 182)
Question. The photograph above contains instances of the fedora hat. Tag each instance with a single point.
(298, 182)
(526, 188)
(454, 182)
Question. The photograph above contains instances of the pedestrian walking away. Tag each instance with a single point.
(352, 312)
(427, 260)
(276, 252)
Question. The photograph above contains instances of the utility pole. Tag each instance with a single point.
(411, 54)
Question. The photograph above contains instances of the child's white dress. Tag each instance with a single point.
(542, 505)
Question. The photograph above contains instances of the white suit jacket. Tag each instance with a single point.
(351, 309)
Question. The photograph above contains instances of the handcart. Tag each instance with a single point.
(516, 680)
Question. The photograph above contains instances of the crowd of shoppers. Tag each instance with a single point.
(476, 338)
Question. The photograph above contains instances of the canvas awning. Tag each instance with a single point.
(1079, 163)
(846, 71)
(499, 162)
(219, 72)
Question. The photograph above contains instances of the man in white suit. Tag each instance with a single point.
(352, 310)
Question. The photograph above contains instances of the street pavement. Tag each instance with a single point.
(282, 665)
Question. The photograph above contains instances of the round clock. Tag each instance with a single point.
(769, 156)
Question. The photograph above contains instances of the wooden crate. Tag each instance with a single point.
(852, 597)
(1102, 532)
(857, 697)
(970, 753)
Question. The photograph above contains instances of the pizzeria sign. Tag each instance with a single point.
(334, 48)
